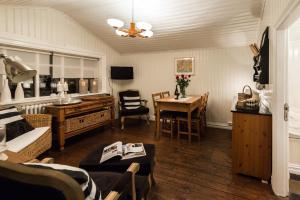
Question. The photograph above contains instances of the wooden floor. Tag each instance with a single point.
(201, 170)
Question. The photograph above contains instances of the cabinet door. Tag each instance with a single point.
(251, 145)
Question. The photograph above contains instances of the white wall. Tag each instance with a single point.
(223, 72)
(50, 28)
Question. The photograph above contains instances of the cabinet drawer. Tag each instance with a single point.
(80, 122)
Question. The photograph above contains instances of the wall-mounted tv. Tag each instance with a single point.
(121, 73)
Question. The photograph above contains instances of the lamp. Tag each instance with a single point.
(16, 71)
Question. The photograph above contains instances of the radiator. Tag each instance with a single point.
(38, 108)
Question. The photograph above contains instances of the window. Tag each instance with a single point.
(53, 68)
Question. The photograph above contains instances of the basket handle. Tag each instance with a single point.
(247, 86)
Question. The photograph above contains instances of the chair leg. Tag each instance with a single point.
(171, 131)
(122, 123)
(148, 119)
(198, 129)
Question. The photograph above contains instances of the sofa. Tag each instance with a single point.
(33, 143)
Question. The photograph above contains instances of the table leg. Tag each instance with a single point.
(157, 132)
(190, 125)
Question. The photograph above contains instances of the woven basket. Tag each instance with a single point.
(244, 96)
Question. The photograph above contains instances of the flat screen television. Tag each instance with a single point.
(121, 73)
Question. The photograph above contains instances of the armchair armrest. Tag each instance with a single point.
(38, 120)
(127, 178)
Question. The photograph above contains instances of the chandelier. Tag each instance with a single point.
(139, 29)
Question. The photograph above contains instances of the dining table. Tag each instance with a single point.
(186, 105)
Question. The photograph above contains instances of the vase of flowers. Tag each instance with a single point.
(183, 82)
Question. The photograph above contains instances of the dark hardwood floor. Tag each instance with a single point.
(201, 170)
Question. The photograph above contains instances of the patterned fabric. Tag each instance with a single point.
(294, 187)
(89, 188)
(132, 102)
(15, 124)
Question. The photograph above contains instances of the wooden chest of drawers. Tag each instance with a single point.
(72, 120)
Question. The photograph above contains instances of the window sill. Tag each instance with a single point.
(45, 99)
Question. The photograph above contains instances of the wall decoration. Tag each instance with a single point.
(185, 66)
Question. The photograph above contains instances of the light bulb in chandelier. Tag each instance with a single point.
(116, 23)
(121, 33)
(147, 34)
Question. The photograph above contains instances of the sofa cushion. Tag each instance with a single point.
(21, 142)
(15, 124)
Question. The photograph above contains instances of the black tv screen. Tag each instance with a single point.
(121, 73)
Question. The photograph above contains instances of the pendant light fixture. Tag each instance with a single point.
(139, 29)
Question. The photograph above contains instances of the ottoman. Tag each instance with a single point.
(92, 162)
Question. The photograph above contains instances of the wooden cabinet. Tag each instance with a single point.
(72, 120)
(252, 144)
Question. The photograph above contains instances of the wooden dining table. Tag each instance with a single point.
(188, 105)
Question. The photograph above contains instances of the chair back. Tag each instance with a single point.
(205, 100)
(201, 106)
(165, 94)
(155, 97)
(22, 182)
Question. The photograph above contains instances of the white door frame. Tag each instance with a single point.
(279, 59)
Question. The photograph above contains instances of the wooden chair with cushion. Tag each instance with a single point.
(37, 182)
(182, 121)
(167, 117)
(131, 105)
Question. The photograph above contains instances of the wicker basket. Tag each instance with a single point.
(244, 96)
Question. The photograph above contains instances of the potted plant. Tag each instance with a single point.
(183, 82)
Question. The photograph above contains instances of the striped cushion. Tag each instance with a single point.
(89, 188)
(15, 124)
(132, 102)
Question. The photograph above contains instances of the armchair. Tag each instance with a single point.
(131, 105)
(41, 183)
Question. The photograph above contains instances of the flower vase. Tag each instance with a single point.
(182, 92)
(19, 93)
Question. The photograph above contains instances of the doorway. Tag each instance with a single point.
(285, 58)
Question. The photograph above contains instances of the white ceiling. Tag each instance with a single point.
(177, 24)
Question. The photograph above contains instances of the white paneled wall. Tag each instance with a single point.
(223, 72)
(49, 28)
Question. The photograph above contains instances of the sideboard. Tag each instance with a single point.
(71, 120)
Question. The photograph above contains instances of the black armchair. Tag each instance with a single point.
(25, 182)
(131, 104)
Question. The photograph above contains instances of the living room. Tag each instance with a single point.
(206, 91)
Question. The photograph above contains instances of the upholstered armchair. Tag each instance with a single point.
(131, 105)
(20, 181)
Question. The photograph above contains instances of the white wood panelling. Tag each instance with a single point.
(46, 27)
(176, 23)
(223, 72)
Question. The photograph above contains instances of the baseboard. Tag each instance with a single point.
(294, 168)
(209, 124)
(219, 125)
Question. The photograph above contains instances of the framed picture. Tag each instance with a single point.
(185, 66)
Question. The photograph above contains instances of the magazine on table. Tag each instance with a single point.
(123, 151)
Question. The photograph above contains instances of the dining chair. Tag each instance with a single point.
(182, 121)
(204, 110)
(167, 118)
(165, 94)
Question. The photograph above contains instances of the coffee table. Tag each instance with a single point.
(91, 162)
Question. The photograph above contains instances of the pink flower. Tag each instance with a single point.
(177, 77)
(182, 75)
(189, 76)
